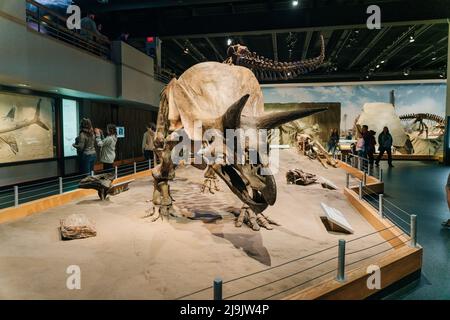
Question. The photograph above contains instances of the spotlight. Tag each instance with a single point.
(186, 50)
(229, 41)
(289, 74)
(406, 72)
(382, 61)
(377, 66)
(411, 39)
(294, 3)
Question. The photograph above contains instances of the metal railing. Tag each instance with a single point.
(362, 164)
(48, 22)
(338, 263)
(20, 194)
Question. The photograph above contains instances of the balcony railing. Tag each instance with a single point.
(50, 23)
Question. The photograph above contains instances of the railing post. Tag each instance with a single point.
(217, 289)
(134, 166)
(360, 190)
(359, 164)
(16, 196)
(61, 190)
(413, 233)
(347, 180)
(92, 173)
(149, 164)
(341, 261)
(116, 172)
(39, 19)
(365, 178)
(380, 205)
(380, 176)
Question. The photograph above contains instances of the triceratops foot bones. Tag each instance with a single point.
(208, 186)
(254, 220)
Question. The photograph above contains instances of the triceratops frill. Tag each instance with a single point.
(221, 96)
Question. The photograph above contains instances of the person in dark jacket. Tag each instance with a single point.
(333, 141)
(370, 150)
(86, 146)
(385, 145)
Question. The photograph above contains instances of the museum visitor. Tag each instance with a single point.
(385, 145)
(86, 146)
(148, 145)
(107, 146)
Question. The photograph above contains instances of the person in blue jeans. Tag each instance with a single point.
(86, 147)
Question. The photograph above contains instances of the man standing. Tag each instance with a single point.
(148, 145)
(385, 144)
(89, 27)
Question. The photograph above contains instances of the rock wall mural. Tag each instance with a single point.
(416, 114)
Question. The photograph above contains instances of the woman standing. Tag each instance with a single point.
(86, 147)
(107, 146)
(333, 141)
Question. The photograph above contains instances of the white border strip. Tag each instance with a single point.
(354, 83)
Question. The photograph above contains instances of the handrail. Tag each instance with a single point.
(57, 29)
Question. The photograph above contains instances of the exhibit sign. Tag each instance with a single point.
(70, 126)
(26, 128)
(120, 132)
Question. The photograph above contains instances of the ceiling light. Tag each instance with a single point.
(406, 72)
(377, 66)
(186, 50)
(382, 61)
(411, 39)
(229, 41)
(295, 3)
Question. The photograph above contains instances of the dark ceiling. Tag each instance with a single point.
(280, 31)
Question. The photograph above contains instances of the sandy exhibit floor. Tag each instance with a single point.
(133, 258)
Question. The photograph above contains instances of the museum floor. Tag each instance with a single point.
(418, 187)
(132, 258)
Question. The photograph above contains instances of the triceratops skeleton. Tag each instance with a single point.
(222, 96)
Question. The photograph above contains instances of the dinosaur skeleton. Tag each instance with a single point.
(267, 69)
(314, 150)
(421, 119)
(222, 97)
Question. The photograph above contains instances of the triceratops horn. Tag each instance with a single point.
(232, 117)
(276, 119)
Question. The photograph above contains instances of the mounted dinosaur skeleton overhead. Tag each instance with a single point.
(267, 69)
(222, 97)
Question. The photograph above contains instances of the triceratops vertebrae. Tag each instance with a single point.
(267, 69)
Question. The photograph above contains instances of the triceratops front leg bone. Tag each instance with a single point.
(162, 174)
(254, 220)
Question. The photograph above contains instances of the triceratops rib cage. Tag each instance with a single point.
(424, 116)
(267, 69)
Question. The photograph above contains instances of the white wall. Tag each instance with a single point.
(136, 73)
(44, 63)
